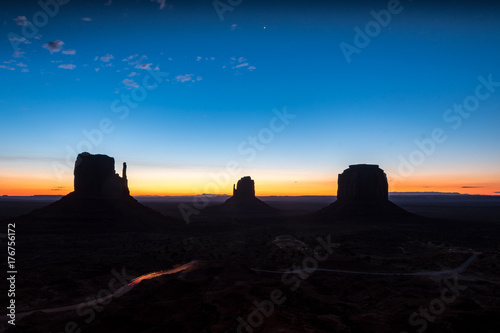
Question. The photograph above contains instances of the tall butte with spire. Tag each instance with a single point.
(100, 202)
(362, 191)
(95, 176)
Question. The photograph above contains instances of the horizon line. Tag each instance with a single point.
(262, 196)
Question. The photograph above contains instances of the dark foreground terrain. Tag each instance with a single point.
(433, 274)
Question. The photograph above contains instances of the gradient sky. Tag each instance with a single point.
(227, 79)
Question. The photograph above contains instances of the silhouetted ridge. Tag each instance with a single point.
(243, 200)
(362, 191)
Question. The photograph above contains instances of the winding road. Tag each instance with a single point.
(448, 272)
(121, 291)
(125, 289)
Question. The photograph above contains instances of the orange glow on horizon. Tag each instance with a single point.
(28, 186)
(265, 186)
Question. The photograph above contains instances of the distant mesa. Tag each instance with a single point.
(362, 191)
(243, 200)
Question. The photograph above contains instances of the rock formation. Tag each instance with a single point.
(362, 191)
(243, 200)
(101, 202)
(363, 182)
(95, 176)
(244, 189)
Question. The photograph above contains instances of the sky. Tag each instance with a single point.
(194, 95)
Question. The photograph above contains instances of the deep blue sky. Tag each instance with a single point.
(225, 77)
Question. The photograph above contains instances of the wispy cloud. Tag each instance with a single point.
(106, 58)
(20, 64)
(87, 19)
(472, 186)
(18, 54)
(72, 52)
(58, 188)
(10, 68)
(241, 62)
(17, 39)
(241, 65)
(54, 45)
(198, 58)
(130, 57)
(132, 60)
(67, 66)
(188, 78)
(130, 83)
(21, 20)
(184, 78)
(143, 66)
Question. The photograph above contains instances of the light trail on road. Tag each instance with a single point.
(153, 275)
(121, 291)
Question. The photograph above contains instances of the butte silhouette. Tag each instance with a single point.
(243, 200)
(100, 200)
(363, 191)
